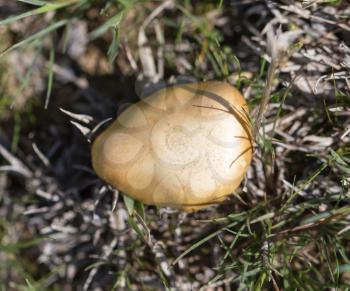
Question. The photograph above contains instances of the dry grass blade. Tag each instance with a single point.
(16, 165)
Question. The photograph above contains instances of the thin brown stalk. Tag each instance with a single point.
(266, 96)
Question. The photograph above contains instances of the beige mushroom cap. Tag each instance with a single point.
(186, 146)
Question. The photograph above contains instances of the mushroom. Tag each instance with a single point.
(186, 146)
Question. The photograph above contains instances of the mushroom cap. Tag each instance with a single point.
(186, 146)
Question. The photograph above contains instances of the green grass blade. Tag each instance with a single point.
(33, 2)
(15, 247)
(35, 36)
(50, 77)
(129, 203)
(136, 228)
(113, 22)
(43, 9)
(30, 286)
(202, 241)
(114, 47)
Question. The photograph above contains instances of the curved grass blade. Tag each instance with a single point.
(113, 22)
(202, 241)
(33, 2)
(50, 77)
(114, 47)
(41, 10)
(35, 36)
